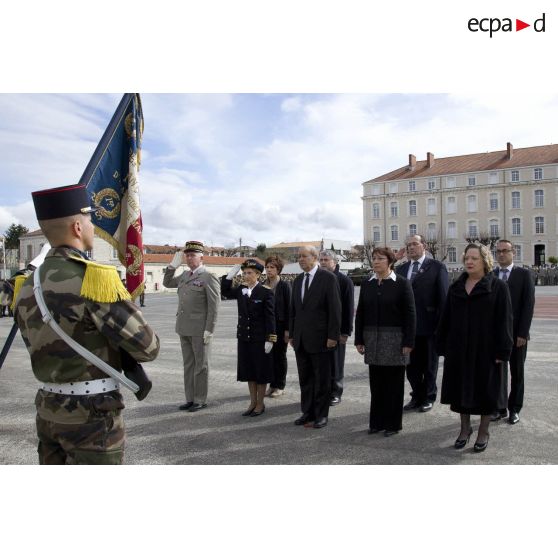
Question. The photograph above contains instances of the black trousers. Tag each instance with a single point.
(423, 369)
(517, 367)
(337, 370)
(279, 353)
(314, 375)
(387, 387)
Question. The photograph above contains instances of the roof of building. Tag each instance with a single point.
(297, 244)
(38, 232)
(494, 160)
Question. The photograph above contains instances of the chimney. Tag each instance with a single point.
(510, 150)
(430, 160)
(412, 162)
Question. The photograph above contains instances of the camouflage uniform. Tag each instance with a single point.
(79, 429)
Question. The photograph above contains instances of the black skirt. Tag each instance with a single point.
(253, 364)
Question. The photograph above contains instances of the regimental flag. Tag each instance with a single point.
(111, 178)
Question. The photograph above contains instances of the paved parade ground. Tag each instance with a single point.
(158, 433)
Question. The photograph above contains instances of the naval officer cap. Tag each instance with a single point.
(252, 264)
(61, 202)
(193, 246)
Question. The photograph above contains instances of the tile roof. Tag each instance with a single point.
(297, 244)
(522, 157)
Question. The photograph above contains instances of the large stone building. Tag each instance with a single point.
(509, 194)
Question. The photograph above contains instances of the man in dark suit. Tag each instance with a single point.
(314, 328)
(328, 260)
(429, 279)
(521, 285)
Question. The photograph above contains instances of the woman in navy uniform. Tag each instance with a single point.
(255, 331)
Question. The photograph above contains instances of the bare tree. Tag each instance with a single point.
(484, 238)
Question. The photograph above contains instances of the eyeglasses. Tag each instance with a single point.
(503, 251)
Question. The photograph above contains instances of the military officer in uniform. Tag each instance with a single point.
(79, 407)
(199, 295)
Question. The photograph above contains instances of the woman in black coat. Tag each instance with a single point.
(255, 331)
(385, 333)
(282, 291)
(475, 337)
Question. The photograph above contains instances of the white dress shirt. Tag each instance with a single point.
(420, 262)
(312, 272)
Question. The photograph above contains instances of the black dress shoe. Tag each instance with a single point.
(248, 412)
(320, 423)
(197, 407)
(514, 418)
(413, 404)
(186, 406)
(258, 413)
(460, 444)
(389, 433)
(478, 447)
(334, 401)
(504, 413)
(302, 420)
(425, 407)
(374, 430)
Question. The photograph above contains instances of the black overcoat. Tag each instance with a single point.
(475, 330)
(256, 325)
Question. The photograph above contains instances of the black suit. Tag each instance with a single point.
(312, 322)
(347, 291)
(521, 285)
(430, 287)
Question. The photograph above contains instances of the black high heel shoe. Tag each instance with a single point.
(481, 447)
(248, 412)
(460, 444)
(258, 413)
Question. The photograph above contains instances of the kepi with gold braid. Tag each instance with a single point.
(193, 246)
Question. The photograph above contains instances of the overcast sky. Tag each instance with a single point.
(264, 168)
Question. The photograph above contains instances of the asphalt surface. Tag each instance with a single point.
(158, 433)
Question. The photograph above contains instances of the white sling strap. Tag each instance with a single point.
(87, 355)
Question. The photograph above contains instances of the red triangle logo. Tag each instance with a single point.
(519, 25)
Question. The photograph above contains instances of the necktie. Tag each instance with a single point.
(414, 270)
(504, 274)
(306, 285)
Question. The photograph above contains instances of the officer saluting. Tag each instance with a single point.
(78, 406)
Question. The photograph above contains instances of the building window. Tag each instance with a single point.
(431, 231)
(493, 178)
(394, 209)
(516, 226)
(375, 234)
(431, 185)
(394, 232)
(376, 190)
(431, 206)
(412, 186)
(412, 230)
(471, 203)
(538, 174)
(452, 229)
(515, 176)
(29, 249)
(471, 181)
(494, 228)
(114, 253)
(451, 207)
(493, 202)
(539, 225)
(452, 254)
(375, 211)
(450, 182)
(516, 200)
(393, 188)
(518, 252)
(539, 198)
(412, 208)
(472, 229)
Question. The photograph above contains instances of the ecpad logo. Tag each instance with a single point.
(493, 25)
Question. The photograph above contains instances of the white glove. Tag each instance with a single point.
(177, 260)
(268, 347)
(207, 337)
(232, 273)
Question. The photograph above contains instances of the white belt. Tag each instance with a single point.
(91, 387)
